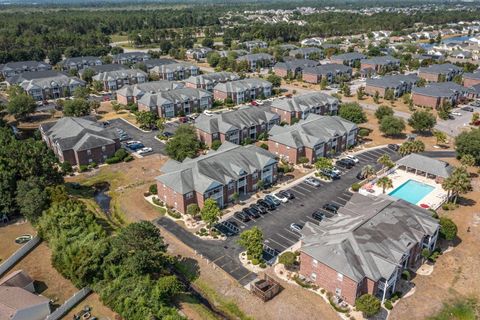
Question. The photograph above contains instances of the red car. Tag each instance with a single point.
(254, 103)
(183, 119)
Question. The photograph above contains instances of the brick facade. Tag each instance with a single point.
(470, 82)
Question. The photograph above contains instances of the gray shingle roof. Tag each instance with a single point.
(78, 133)
(368, 236)
(242, 85)
(440, 89)
(151, 63)
(305, 50)
(296, 64)
(104, 68)
(329, 68)
(131, 55)
(440, 68)
(238, 119)
(215, 168)
(173, 96)
(23, 66)
(392, 81)
(473, 76)
(44, 80)
(173, 67)
(305, 102)
(381, 60)
(149, 87)
(426, 164)
(120, 74)
(214, 77)
(80, 60)
(256, 57)
(312, 131)
(348, 56)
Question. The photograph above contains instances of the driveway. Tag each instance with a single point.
(147, 138)
(275, 224)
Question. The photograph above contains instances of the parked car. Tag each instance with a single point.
(280, 197)
(348, 160)
(332, 207)
(267, 205)
(295, 227)
(241, 216)
(393, 146)
(469, 109)
(318, 215)
(272, 199)
(313, 182)
(145, 150)
(106, 123)
(353, 158)
(254, 103)
(336, 170)
(361, 176)
(329, 173)
(251, 213)
(183, 119)
(132, 142)
(455, 113)
(208, 113)
(343, 163)
(136, 146)
(287, 193)
(168, 134)
(260, 208)
(124, 138)
(254, 210)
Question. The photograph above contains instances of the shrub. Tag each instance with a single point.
(395, 296)
(255, 261)
(128, 158)
(301, 283)
(216, 144)
(322, 291)
(368, 305)
(448, 229)
(289, 259)
(363, 132)
(121, 154)
(112, 160)
(406, 275)
(263, 265)
(356, 187)
(92, 165)
(388, 304)
(174, 214)
(83, 168)
(264, 146)
(153, 189)
(449, 206)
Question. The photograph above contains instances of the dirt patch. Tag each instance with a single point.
(455, 273)
(97, 308)
(8, 234)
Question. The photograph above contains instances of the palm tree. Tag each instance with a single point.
(367, 171)
(460, 182)
(385, 161)
(440, 136)
(385, 183)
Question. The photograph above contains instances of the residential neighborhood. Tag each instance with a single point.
(253, 160)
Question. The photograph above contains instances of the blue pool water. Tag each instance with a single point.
(412, 191)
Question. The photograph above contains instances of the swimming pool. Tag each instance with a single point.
(412, 191)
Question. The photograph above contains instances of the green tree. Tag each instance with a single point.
(458, 79)
(392, 126)
(389, 94)
(88, 75)
(468, 142)
(31, 198)
(207, 42)
(193, 210)
(411, 147)
(475, 117)
(213, 58)
(368, 304)
(385, 183)
(323, 163)
(55, 56)
(421, 82)
(146, 119)
(210, 212)
(448, 229)
(183, 144)
(368, 171)
(288, 259)
(76, 108)
(352, 112)
(81, 93)
(216, 144)
(422, 121)
(97, 86)
(116, 106)
(383, 111)
(360, 93)
(160, 123)
(346, 90)
(459, 182)
(385, 161)
(252, 241)
(440, 136)
(275, 80)
(323, 83)
(376, 97)
(21, 106)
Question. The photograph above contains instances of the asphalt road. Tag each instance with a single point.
(275, 225)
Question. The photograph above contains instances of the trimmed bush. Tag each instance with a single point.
(112, 160)
(289, 259)
(448, 229)
(255, 261)
(264, 146)
(406, 275)
(216, 144)
(174, 214)
(263, 265)
(368, 305)
(388, 304)
(83, 168)
(356, 187)
(128, 158)
(153, 189)
(121, 154)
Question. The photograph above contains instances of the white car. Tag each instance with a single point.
(260, 103)
(295, 227)
(279, 197)
(132, 142)
(353, 158)
(336, 170)
(208, 113)
(455, 113)
(145, 150)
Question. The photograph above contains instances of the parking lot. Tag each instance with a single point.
(275, 224)
(147, 138)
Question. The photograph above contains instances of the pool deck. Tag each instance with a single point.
(434, 199)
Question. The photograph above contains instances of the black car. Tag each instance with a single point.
(361, 176)
(318, 215)
(251, 213)
(267, 205)
(168, 134)
(287, 194)
(350, 161)
(241, 216)
(393, 146)
(261, 209)
(254, 209)
(332, 207)
(344, 163)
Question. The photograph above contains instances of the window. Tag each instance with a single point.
(313, 276)
(254, 175)
(189, 195)
(314, 262)
(89, 152)
(338, 292)
(339, 277)
(231, 185)
(104, 148)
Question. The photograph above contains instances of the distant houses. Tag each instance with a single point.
(79, 63)
(175, 71)
(80, 141)
(307, 53)
(10, 69)
(380, 64)
(257, 60)
(351, 59)
(471, 79)
(130, 57)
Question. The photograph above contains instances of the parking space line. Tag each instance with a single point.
(214, 261)
(248, 274)
(295, 234)
(303, 188)
(339, 197)
(246, 225)
(310, 218)
(288, 239)
(303, 194)
(337, 203)
(377, 152)
(302, 221)
(281, 245)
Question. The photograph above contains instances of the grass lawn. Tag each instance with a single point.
(459, 310)
(118, 37)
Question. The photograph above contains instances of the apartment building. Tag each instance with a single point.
(175, 71)
(132, 93)
(439, 72)
(114, 80)
(331, 72)
(209, 80)
(399, 84)
(240, 91)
